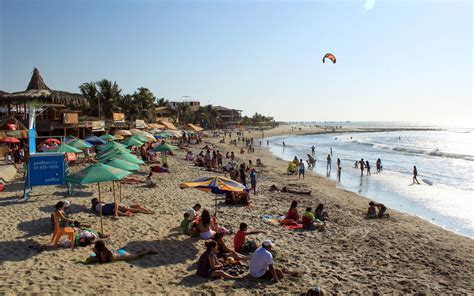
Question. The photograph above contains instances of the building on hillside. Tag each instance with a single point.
(163, 113)
(193, 105)
(229, 118)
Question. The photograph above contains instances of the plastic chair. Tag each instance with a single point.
(60, 231)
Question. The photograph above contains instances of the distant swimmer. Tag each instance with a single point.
(361, 166)
(284, 145)
(415, 174)
(313, 149)
(356, 164)
(378, 164)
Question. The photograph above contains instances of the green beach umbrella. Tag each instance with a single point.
(109, 144)
(132, 142)
(80, 144)
(140, 138)
(65, 148)
(98, 173)
(116, 148)
(164, 147)
(164, 135)
(121, 164)
(128, 157)
(113, 153)
(108, 137)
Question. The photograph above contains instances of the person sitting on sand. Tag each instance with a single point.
(103, 255)
(308, 221)
(159, 169)
(293, 212)
(193, 212)
(296, 161)
(261, 264)
(189, 156)
(108, 209)
(242, 150)
(372, 213)
(242, 246)
(185, 224)
(259, 162)
(209, 265)
(320, 214)
(149, 182)
(207, 226)
(292, 168)
(224, 251)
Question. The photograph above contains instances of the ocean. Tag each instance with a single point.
(445, 157)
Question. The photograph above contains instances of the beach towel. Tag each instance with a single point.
(277, 219)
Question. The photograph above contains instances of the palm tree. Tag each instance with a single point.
(144, 101)
(89, 91)
(183, 113)
(109, 95)
(162, 102)
(211, 117)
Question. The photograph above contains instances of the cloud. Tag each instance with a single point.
(369, 4)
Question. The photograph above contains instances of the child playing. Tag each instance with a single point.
(253, 180)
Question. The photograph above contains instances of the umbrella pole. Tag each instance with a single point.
(115, 200)
(100, 213)
(215, 210)
(120, 191)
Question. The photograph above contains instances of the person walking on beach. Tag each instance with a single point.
(368, 168)
(328, 165)
(361, 166)
(301, 169)
(415, 174)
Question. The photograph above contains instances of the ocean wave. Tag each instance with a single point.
(420, 151)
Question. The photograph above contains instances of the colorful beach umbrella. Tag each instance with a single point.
(164, 147)
(94, 140)
(216, 185)
(51, 140)
(108, 137)
(133, 142)
(121, 164)
(65, 148)
(10, 140)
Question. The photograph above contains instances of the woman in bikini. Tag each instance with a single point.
(104, 255)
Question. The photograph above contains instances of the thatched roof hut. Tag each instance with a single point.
(38, 91)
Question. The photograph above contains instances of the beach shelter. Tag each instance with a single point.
(164, 147)
(108, 137)
(121, 164)
(216, 185)
(65, 148)
(132, 142)
(98, 173)
(94, 140)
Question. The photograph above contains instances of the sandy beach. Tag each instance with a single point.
(400, 255)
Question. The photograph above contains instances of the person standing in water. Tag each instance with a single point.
(328, 165)
(378, 164)
(361, 166)
(368, 168)
(338, 163)
(284, 145)
(415, 174)
(313, 149)
(330, 149)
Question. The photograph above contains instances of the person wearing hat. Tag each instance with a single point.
(261, 264)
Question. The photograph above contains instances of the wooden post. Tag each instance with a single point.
(100, 213)
(120, 191)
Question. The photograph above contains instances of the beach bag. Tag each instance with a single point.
(249, 247)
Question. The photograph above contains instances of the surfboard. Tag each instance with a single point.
(427, 181)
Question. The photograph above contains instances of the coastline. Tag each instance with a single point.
(402, 254)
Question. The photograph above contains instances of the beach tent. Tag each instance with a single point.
(216, 185)
(98, 173)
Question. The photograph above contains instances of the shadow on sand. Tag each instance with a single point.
(41, 226)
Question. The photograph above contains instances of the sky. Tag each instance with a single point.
(396, 60)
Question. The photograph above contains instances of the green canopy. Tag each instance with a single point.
(164, 147)
(132, 142)
(108, 137)
(128, 157)
(121, 164)
(112, 153)
(164, 135)
(80, 144)
(65, 148)
(97, 173)
(114, 148)
(140, 138)
(109, 144)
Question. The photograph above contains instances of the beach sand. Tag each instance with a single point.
(402, 254)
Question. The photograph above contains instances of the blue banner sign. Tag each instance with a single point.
(46, 169)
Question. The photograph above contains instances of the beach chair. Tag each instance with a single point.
(60, 231)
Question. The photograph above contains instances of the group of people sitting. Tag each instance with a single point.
(376, 210)
(309, 220)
